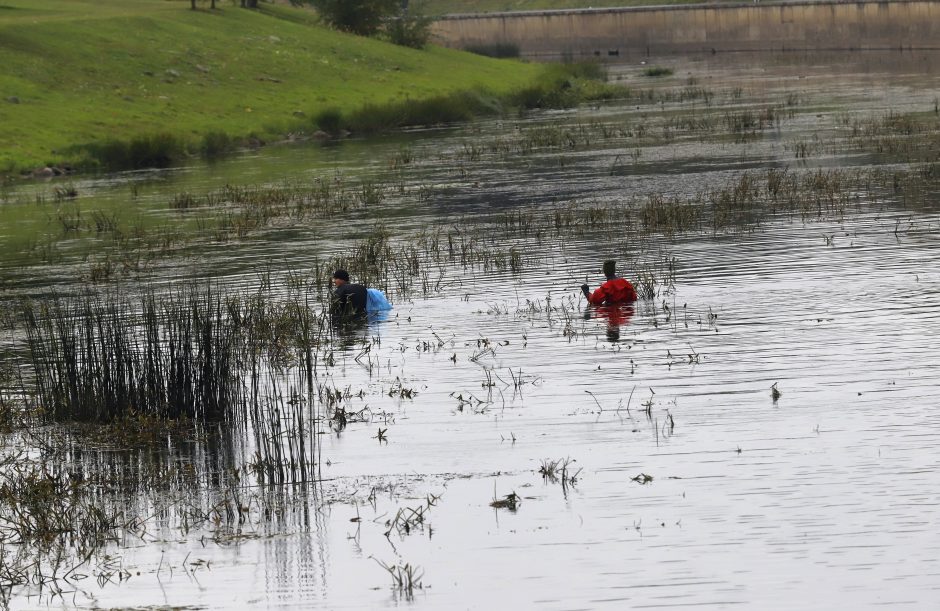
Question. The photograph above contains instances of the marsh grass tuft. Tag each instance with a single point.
(558, 471)
(406, 578)
(654, 71)
(51, 522)
(65, 192)
(511, 502)
(408, 519)
(177, 357)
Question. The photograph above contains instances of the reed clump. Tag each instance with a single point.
(186, 354)
(95, 362)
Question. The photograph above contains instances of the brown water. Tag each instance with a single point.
(826, 498)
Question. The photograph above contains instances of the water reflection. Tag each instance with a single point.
(615, 316)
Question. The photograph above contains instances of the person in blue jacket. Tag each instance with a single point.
(355, 299)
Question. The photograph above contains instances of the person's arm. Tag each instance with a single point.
(599, 296)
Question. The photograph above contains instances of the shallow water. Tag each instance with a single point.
(824, 498)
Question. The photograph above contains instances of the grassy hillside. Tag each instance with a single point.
(88, 71)
(443, 7)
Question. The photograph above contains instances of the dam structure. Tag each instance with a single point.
(825, 25)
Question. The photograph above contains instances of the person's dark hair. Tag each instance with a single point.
(610, 268)
(341, 274)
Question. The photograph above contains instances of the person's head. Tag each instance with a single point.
(340, 277)
(610, 268)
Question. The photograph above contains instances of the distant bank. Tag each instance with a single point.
(695, 28)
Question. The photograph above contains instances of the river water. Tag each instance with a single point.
(694, 486)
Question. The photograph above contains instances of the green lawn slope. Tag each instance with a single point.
(79, 72)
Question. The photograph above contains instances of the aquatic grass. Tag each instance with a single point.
(180, 364)
(40, 506)
(189, 353)
(898, 137)
(642, 479)
(65, 192)
(669, 215)
(409, 519)
(558, 471)
(184, 201)
(687, 93)
(52, 521)
(77, 492)
(422, 262)
(654, 71)
(93, 363)
(406, 578)
(70, 218)
(510, 501)
(504, 241)
(238, 213)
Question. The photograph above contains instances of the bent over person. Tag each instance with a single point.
(347, 299)
(615, 290)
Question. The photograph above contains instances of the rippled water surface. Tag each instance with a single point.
(694, 487)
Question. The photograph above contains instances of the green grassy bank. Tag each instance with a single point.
(80, 76)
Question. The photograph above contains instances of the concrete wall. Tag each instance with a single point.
(754, 26)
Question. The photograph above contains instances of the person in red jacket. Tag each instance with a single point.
(615, 290)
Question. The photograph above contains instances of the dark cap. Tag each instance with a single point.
(341, 274)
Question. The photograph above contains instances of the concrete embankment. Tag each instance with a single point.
(711, 28)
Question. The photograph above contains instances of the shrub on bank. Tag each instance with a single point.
(146, 151)
(216, 144)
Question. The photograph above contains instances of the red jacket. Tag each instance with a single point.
(616, 290)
